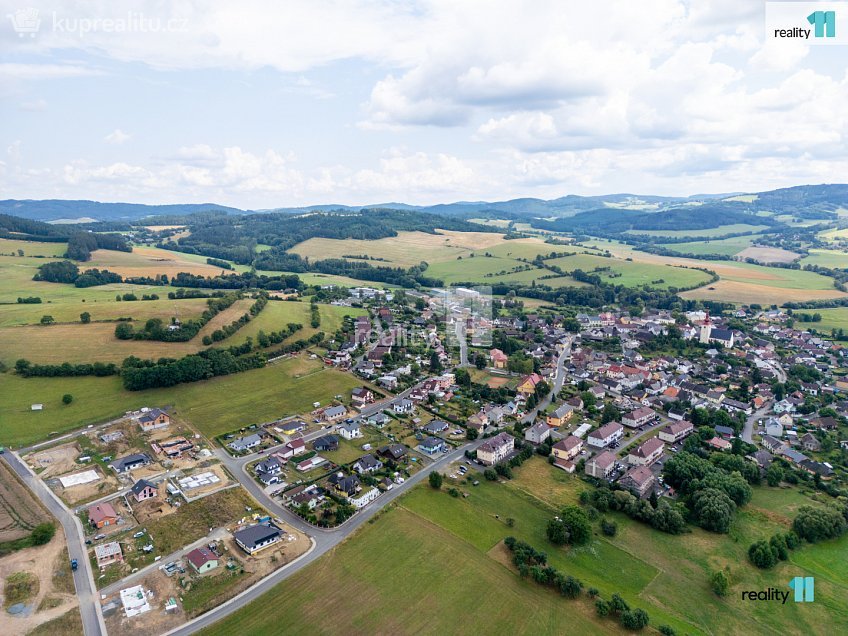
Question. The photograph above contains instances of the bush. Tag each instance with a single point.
(817, 524)
(665, 630)
(609, 528)
(435, 480)
(602, 607)
(720, 583)
(67, 398)
(490, 474)
(761, 554)
(634, 619)
(43, 533)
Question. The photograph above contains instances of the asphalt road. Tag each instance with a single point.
(92, 620)
(459, 329)
(530, 417)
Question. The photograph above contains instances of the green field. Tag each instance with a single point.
(633, 273)
(400, 560)
(490, 270)
(404, 575)
(727, 247)
(721, 230)
(834, 259)
(96, 342)
(215, 406)
(836, 318)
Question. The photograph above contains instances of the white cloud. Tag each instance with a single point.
(117, 136)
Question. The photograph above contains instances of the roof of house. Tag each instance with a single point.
(253, 535)
(326, 440)
(606, 430)
(332, 411)
(603, 460)
(106, 550)
(649, 447)
(499, 440)
(101, 511)
(568, 443)
(642, 411)
(369, 461)
(640, 475)
(432, 442)
(201, 556)
(151, 415)
(129, 460)
(678, 427)
(563, 410)
(140, 485)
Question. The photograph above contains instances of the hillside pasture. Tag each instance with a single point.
(632, 273)
(215, 406)
(834, 259)
(726, 247)
(721, 230)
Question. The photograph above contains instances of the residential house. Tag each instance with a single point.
(720, 444)
(350, 430)
(676, 431)
(560, 416)
(639, 480)
(332, 413)
(143, 489)
(308, 464)
(528, 383)
(395, 452)
(646, 453)
(434, 427)
(102, 515)
(271, 466)
(154, 419)
(403, 406)
(537, 433)
(496, 449)
(348, 485)
(565, 451)
(292, 427)
(432, 445)
(601, 465)
(772, 443)
(606, 435)
(361, 396)
(326, 443)
(379, 420)
(499, 358)
(367, 464)
(257, 537)
(244, 444)
(825, 423)
(810, 442)
(202, 560)
(108, 553)
(130, 462)
(292, 448)
(724, 431)
(638, 417)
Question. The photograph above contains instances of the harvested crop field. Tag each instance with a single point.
(407, 248)
(20, 512)
(768, 254)
(149, 261)
(746, 292)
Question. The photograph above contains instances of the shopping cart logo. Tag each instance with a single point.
(25, 22)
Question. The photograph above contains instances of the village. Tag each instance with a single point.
(176, 523)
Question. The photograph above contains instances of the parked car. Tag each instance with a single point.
(99, 536)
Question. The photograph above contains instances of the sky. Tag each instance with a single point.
(274, 104)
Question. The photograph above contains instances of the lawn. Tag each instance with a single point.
(215, 406)
(404, 575)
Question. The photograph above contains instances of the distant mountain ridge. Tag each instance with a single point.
(825, 197)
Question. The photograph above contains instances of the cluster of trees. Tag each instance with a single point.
(217, 262)
(27, 369)
(297, 345)
(315, 315)
(632, 619)
(765, 554)
(67, 272)
(228, 330)
(155, 328)
(530, 562)
(29, 300)
(570, 526)
(138, 375)
(246, 280)
(659, 514)
(818, 524)
(82, 244)
(265, 340)
(710, 492)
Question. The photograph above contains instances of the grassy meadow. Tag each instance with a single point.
(214, 406)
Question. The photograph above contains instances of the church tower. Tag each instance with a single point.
(706, 330)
